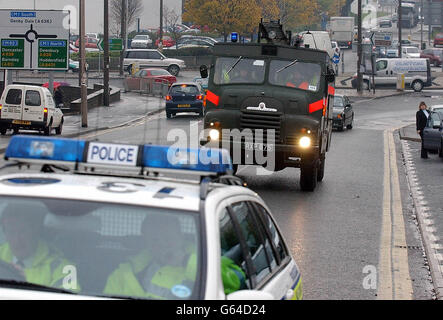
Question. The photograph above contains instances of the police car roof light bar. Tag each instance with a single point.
(50, 151)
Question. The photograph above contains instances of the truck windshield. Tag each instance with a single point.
(301, 75)
(245, 71)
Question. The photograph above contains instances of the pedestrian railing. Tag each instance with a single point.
(154, 87)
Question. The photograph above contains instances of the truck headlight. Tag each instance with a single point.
(305, 142)
(214, 134)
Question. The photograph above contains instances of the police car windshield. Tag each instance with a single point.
(245, 70)
(301, 75)
(100, 249)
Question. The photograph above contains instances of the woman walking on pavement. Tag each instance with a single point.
(421, 120)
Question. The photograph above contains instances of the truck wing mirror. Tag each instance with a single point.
(330, 77)
(203, 71)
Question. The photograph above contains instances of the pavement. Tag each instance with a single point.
(425, 186)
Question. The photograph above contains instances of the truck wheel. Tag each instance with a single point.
(15, 130)
(321, 169)
(168, 115)
(3, 131)
(308, 177)
(417, 85)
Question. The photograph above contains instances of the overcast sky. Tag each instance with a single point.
(94, 10)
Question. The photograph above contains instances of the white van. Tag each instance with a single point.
(318, 40)
(30, 108)
(417, 73)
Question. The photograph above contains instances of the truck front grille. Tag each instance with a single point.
(261, 120)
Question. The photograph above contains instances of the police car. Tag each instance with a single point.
(104, 220)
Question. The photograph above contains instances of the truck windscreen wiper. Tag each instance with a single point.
(31, 286)
(233, 66)
(289, 65)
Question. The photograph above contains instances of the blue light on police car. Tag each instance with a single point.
(40, 148)
(204, 159)
(234, 37)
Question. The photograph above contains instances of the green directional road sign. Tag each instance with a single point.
(114, 45)
(12, 53)
(52, 54)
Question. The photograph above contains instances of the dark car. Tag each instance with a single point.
(433, 134)
(435, 56)
(343, 114)
(438, 40)
(185, 97)
(385, 24)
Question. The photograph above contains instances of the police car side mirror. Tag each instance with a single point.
(204, 71)
(250, 295)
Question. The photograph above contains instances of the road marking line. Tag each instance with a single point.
(384, 291)
(394, 280)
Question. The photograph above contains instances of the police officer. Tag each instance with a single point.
(164, 264)
(33, 258)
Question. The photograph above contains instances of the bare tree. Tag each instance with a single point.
(171, 19)
(135, 9)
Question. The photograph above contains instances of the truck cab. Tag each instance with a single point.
(271, 101)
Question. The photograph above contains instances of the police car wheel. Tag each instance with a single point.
(308, 178)
(417, 85)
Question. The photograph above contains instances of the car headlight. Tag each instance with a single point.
(214, 134)
(305, 142)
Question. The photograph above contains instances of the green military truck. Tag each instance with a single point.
(271, 100)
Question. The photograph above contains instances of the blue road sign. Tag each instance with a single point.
(335, 59)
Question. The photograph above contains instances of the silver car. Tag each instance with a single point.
(141, 41)
(147, 58)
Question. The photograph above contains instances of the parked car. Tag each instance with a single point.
(185, 97)
(391, 53)
(154, 74)
(385, 24)
(141, 41)
(167, 42)
(151, 58)
(433, 133)
(394, 18)
(404, 43)
(29, 108)
(92, 35)
(436, 108)
(410, 52)
(435, 56)
(343, 114)
(90, 43)
(438, 39)
(195, 43)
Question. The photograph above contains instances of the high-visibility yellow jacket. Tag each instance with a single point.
(46, 267)
(124, 281)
